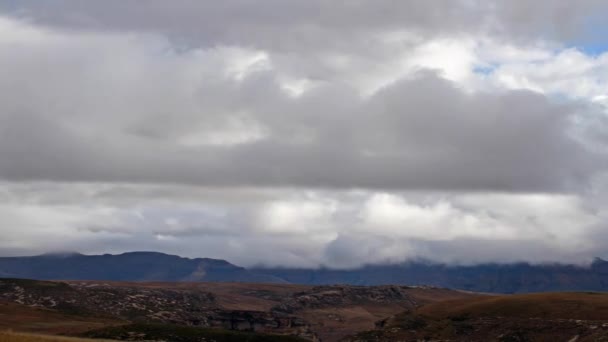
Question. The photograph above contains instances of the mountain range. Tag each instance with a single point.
(133, 266)
(153, 266)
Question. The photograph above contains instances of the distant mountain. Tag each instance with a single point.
(134, 266)
(152, 266)
(497, 278)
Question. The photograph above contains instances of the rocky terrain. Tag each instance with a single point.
(158, 311)
(324, 313)
(341, 295)
(139, 304)
(125, 302)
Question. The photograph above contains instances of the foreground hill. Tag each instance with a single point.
(153, 311)
(21, 337)
(188, 312)
(531, 317)
(134, 266)
(156, 332)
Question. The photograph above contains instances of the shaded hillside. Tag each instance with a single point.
(517, 318)
(498, 278)
(135, 266)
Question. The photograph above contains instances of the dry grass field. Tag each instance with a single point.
(562, 305)
(8, 336)
(565, 316)
(18, 317)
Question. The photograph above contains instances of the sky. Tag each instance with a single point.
(306, 133)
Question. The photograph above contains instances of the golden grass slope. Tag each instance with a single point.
(8, 336)
(550, 317)
(17, 317)
(559, 305)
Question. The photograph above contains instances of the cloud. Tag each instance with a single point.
(570, 73)
(313, 23)
(304, 133)
(114, 108)
(295, 228)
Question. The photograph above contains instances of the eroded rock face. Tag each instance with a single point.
(336, 296)
(262, 322)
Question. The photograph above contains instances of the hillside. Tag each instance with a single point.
(530, 317)
(185, 311)
(327, 313)
(153, 333)
(9, 336)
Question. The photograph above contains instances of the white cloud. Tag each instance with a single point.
(569, 73)
(295, 228)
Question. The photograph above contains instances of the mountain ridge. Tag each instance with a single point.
(156, 266)
(130, 266)
(518, 277)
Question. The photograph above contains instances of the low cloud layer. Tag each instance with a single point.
(304, 133)
(296, 228)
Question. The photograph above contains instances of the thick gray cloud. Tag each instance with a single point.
(288, 24)
(304, 132)
(71, 115)
(417, 134)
